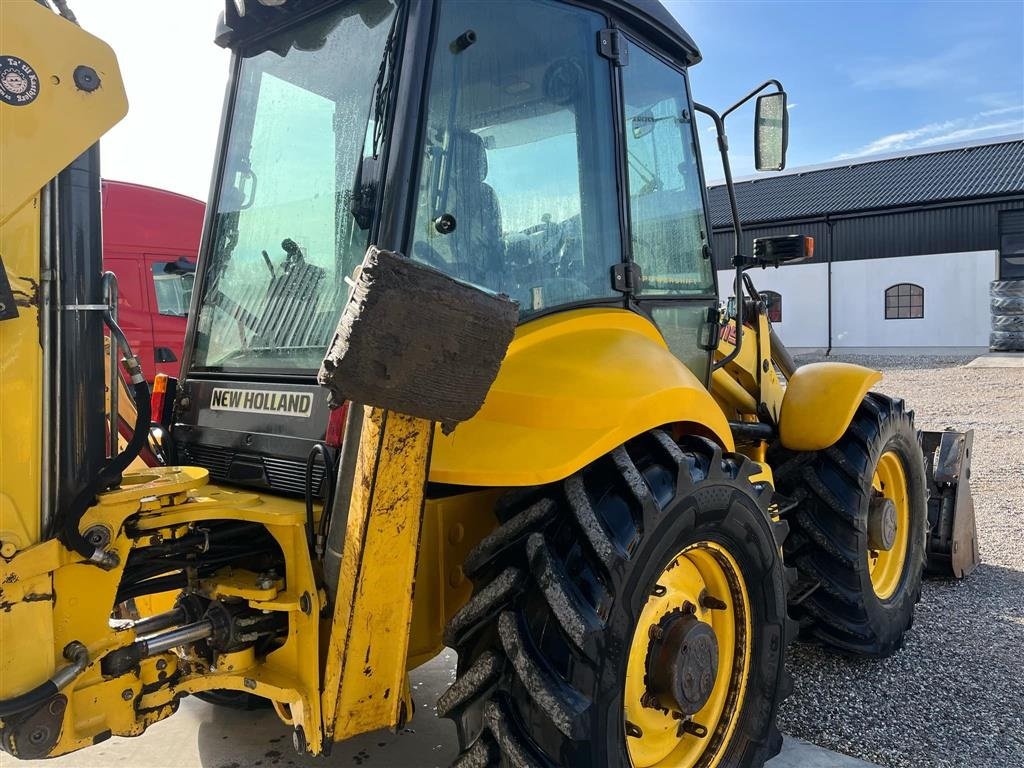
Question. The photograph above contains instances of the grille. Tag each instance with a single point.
(283, 475)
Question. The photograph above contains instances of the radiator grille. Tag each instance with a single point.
(282, 474)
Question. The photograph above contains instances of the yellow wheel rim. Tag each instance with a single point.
(886, 566)
(704, 583)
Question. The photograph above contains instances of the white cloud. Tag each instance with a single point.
(960, 134)
(960, 129)
(1002, 111)
(792, 106)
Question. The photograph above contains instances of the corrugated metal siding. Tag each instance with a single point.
(953, 229)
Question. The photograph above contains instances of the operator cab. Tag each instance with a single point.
(541, 149)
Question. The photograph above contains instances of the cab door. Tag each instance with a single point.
(669, 233)
(133, 305)
(170, 281)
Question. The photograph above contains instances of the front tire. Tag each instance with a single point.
(854, 594)
(572, 589)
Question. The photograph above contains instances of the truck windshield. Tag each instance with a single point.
(289, 225)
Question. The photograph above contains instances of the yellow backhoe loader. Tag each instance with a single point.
(456, 374)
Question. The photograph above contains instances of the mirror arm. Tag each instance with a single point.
(738, 260)
(752, 94)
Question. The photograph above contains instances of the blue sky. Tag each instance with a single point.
(863, 78)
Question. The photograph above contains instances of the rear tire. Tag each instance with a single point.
(837, 600)
(559, 589)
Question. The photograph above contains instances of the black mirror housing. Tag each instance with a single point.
(788, 249)
(771, 132)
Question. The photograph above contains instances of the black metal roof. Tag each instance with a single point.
(962, 173)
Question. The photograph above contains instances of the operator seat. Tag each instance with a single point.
(476, 243)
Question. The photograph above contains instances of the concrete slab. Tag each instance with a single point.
(204, 736)
(998, 360)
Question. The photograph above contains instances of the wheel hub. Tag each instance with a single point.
(882, 523)
(683, 663)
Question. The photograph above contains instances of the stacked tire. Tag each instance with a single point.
(1007, 301)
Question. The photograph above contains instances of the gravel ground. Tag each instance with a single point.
(954, 696)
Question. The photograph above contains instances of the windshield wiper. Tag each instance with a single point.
(364, 192)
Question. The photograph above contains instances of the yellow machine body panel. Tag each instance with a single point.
(63, 90)
(20, 393)
(572, 387)
(820, 401)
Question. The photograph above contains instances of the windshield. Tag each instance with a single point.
(290, 222)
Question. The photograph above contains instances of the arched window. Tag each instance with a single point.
(773, 302)
(904, 301)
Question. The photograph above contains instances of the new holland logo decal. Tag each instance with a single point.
(262, 401)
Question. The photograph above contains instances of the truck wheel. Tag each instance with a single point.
(632, 615)
(858, 532)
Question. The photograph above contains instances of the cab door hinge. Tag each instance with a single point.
(626, 277)
(612, 45)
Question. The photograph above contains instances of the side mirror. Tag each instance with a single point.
(643, 123)
(788, 249)
(771, 132)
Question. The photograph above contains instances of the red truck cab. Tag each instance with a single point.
(150, 241)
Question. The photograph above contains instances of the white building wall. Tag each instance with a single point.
(956, 306)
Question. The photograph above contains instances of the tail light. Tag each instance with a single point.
(336, 426)
(161, 399)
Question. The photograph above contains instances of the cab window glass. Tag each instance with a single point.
(665, 198)
(517, 188)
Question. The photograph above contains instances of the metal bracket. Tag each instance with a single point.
(85, 307)
(611, 45)
(626, 277)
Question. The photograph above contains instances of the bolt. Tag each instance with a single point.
(56, 706)
(655, 632)
(161, 664)
(249, 683)
(711, 603)
(650, 701)
(305, 603)
(39, 735)
(127, 694)
(633, 730)
(86, 78)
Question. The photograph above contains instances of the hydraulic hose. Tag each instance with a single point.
(110, 475)
(317, 536)
(77, 654)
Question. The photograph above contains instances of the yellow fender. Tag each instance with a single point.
(574, 386)
(819, 404)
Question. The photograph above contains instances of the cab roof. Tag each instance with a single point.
(649, 19)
